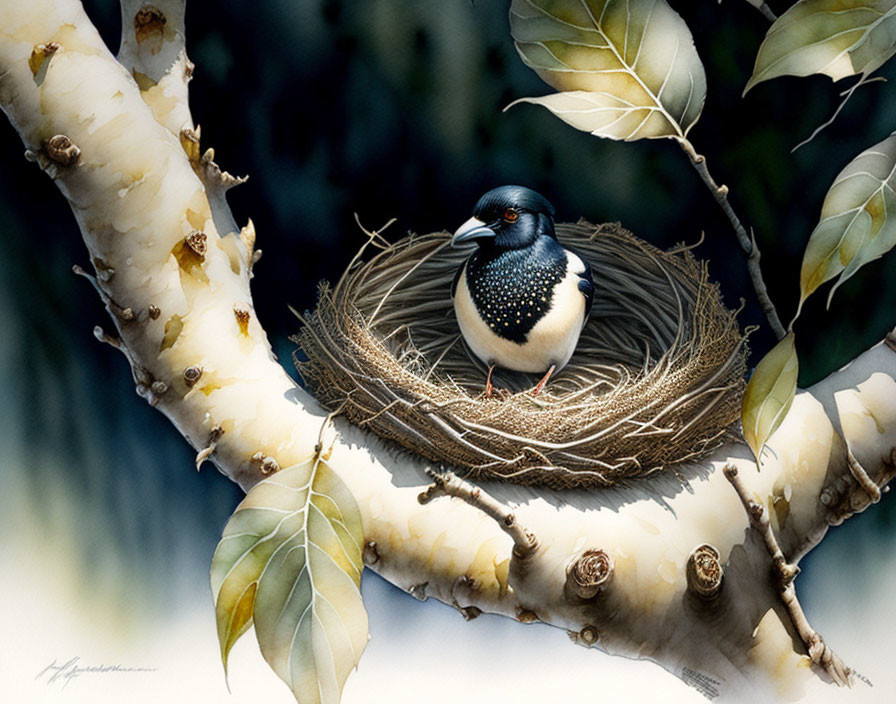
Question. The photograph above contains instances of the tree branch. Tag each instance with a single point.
(784, 575)
(611, 567)
(449, 484)
(747, 242)
(153, 50)
(763, 7)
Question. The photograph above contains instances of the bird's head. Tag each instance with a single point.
(508, 217)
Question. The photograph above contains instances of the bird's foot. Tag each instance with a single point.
(497, 392)
(489, 389)
(544, 380)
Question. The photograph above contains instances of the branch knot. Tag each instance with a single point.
(62, 150)
(704, 571)
(197, 241)
(148, 21)
(192, 375)
(589, 574)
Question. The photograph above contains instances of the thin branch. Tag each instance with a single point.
(784, 573)
(115, 310)
(764, 9)
(148, 387)
(833, 117)
(212, 443)
(747, 242)
(449, 484)
(862, 479)
(851, 493)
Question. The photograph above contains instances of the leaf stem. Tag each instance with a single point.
(747, 242)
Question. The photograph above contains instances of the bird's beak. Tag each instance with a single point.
(472, 229)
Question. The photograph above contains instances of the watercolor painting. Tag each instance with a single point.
(357, 123)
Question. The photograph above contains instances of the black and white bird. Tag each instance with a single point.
(521, 299)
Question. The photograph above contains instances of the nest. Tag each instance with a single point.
(657, 377)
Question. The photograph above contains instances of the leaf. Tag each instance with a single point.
(838, 38)
(769, 394)
(858, 220)
(290, 560)
(626, 69)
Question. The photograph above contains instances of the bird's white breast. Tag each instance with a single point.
(552, 340)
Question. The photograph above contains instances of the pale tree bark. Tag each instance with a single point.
(632, 570)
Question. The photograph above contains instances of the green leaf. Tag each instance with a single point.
(858, 220)
(626, 69)
(769, 394)
(290, 560)
(838, 38)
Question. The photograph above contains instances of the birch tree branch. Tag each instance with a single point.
(153, 48)
(202, 358)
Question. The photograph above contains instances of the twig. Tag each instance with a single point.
(890, 340)
(861, 476)
(765, 10)
(830, 120)
(207, 451)
(747, 242)
(148, 387)
(449, 484)
(117, 311)
(784, 574)
(848, 494)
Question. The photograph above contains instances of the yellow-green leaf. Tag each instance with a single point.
(769, 394)
(838, 38)
(290, 560)
(858, 220)
(626, 69)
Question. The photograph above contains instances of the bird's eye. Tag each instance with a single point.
(511, 215)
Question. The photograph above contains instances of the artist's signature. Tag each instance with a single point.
(63, 674)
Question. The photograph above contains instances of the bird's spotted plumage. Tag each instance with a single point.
(514, 291)
(521, 299)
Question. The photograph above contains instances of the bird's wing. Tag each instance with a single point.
(457, 277)
(582, 268)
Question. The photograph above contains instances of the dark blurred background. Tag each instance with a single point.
(393, 108)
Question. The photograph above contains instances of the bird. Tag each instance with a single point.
(521, 298)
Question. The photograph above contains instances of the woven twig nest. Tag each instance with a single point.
(656, 379)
